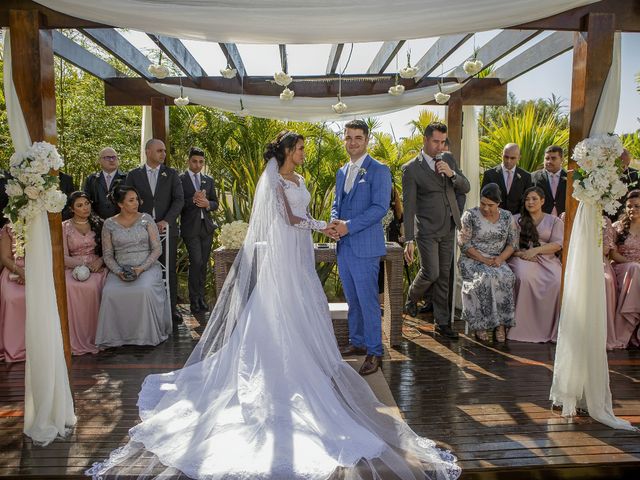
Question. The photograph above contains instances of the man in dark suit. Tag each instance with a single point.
(197, 225)
(511, 179)
(161, 195)
(552, 179)
(430, 183)
(99, 184)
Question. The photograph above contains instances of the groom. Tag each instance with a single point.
(362, 197)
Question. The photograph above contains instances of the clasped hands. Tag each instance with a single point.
(200, 199)
(336, 229)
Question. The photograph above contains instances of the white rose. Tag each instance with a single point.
(32, 192)
(54, 200)
(408, 72)
(287, 94)
(282, 79)
(339, 107)
(441, 98)
(14, 189)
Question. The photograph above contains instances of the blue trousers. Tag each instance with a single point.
(359, 278)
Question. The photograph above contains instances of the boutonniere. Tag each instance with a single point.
(164, 174)
(362, 171)
(203, 182)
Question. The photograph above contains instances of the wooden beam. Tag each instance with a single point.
(454, 124)
(496, 48)
(52, 18)
(233, 57)
(121, 48)
(159, 122)
(592, 57)
(547, 49)
(283, 57)
(627, 17)
(33, 76)
(136, 91)
(383, 58)
(179, 55)
(334, 58)
(439, 52)
(75, 54)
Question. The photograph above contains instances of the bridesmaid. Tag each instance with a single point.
(82, 246)
(12, 301)
(538, 271)
(626, 256)
(611, 286)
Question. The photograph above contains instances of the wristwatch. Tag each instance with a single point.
(453, 177)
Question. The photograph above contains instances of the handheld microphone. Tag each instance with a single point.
(437, 159)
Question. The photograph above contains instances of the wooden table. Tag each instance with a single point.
(393, 291)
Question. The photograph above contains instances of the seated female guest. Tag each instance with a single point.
(135, 309)
(626, 256)
(611, 285)
(538, 271)
(487, 239)
(12, 301)
(84, 272)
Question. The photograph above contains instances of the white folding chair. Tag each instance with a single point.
(164, 241)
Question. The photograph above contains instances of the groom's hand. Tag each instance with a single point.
(331, 232)
(340, 227)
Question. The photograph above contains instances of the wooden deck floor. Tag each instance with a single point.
(487, 404)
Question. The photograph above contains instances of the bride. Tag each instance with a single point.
(265, 394)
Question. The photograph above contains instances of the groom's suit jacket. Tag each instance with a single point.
(364, 207)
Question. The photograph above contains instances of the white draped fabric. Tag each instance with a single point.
(470, 155)
(48, 410)
(305, 109)
(146, 132)
(581, 371)
(310, 21)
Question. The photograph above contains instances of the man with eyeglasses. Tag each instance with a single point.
(511, 179)
(99, 184)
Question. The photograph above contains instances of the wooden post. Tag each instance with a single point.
(33, 76)
(159, 123)
(592, 56)
(454, 124)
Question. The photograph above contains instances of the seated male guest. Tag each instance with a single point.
(197, 225)
(12, 301)
(99, 184)
(538, 271)
(511, 179)
(552, 179)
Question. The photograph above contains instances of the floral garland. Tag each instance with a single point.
(232, 234)
(32, 189)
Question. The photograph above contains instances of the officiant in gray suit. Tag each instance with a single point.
(161, 195)
(197, 225)
(430, 183)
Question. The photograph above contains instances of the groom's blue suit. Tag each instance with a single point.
(360, 250)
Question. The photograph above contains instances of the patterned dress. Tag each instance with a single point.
(628, 279)
(487, 292)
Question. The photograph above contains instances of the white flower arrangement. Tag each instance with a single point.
(282, 78)
(339, 107)
(158, 71)
(181, 101)
(32, 190)
(232, 234)
(597, 180)
(441, 98)
(396, 90)
(408, 72)
(473, 66)
(228, 72)
(287, 94)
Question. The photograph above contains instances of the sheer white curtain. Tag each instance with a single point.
(146, 132)
(310, 21)
(470, 156)
(581, 371)
(48, 410)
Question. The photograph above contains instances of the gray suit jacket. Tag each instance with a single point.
(429, 199)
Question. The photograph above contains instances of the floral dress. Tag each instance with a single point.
(487, 292)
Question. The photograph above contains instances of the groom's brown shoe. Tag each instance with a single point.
(351, 350)
(370, 365)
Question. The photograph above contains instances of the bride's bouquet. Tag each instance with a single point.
(597, 180)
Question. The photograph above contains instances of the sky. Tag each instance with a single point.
(553, 77)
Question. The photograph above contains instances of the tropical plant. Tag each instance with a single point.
(631, 142)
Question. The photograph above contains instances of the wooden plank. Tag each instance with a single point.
(454, 124)
(159, 127)
(179, 55)
(283, 58)
(383, 58)
(496, 48)
(233, 57)
(547, 49)
(54, 19)
(334, 58)
(121, 48)
(73, 53)
(439, 52)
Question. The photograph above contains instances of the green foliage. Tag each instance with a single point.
(531, 129)
(631, 142)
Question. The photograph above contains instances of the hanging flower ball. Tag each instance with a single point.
(339, 107)
(471, 67)
(158, 71)
(181, 101)
(408, 72)
(396, 90)
(228, 72)
(442, 98)
(287, 94)
(283, 79)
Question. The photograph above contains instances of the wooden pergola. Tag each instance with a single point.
(35, 39)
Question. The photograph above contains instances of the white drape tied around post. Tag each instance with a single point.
(310, 21)
(581, 371)
(146, 132)
(48, 403)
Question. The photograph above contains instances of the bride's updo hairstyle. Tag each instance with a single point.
(116, 196)
(284, 142)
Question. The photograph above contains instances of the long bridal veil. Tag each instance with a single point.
(265, 393)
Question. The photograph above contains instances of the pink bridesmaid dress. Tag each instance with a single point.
(83, 298)
(628, 277)
(611, 286)
(12, 311)
(538, 288)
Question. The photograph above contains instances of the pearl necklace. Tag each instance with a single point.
(79, 223)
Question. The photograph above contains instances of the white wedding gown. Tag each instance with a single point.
(266, 394)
